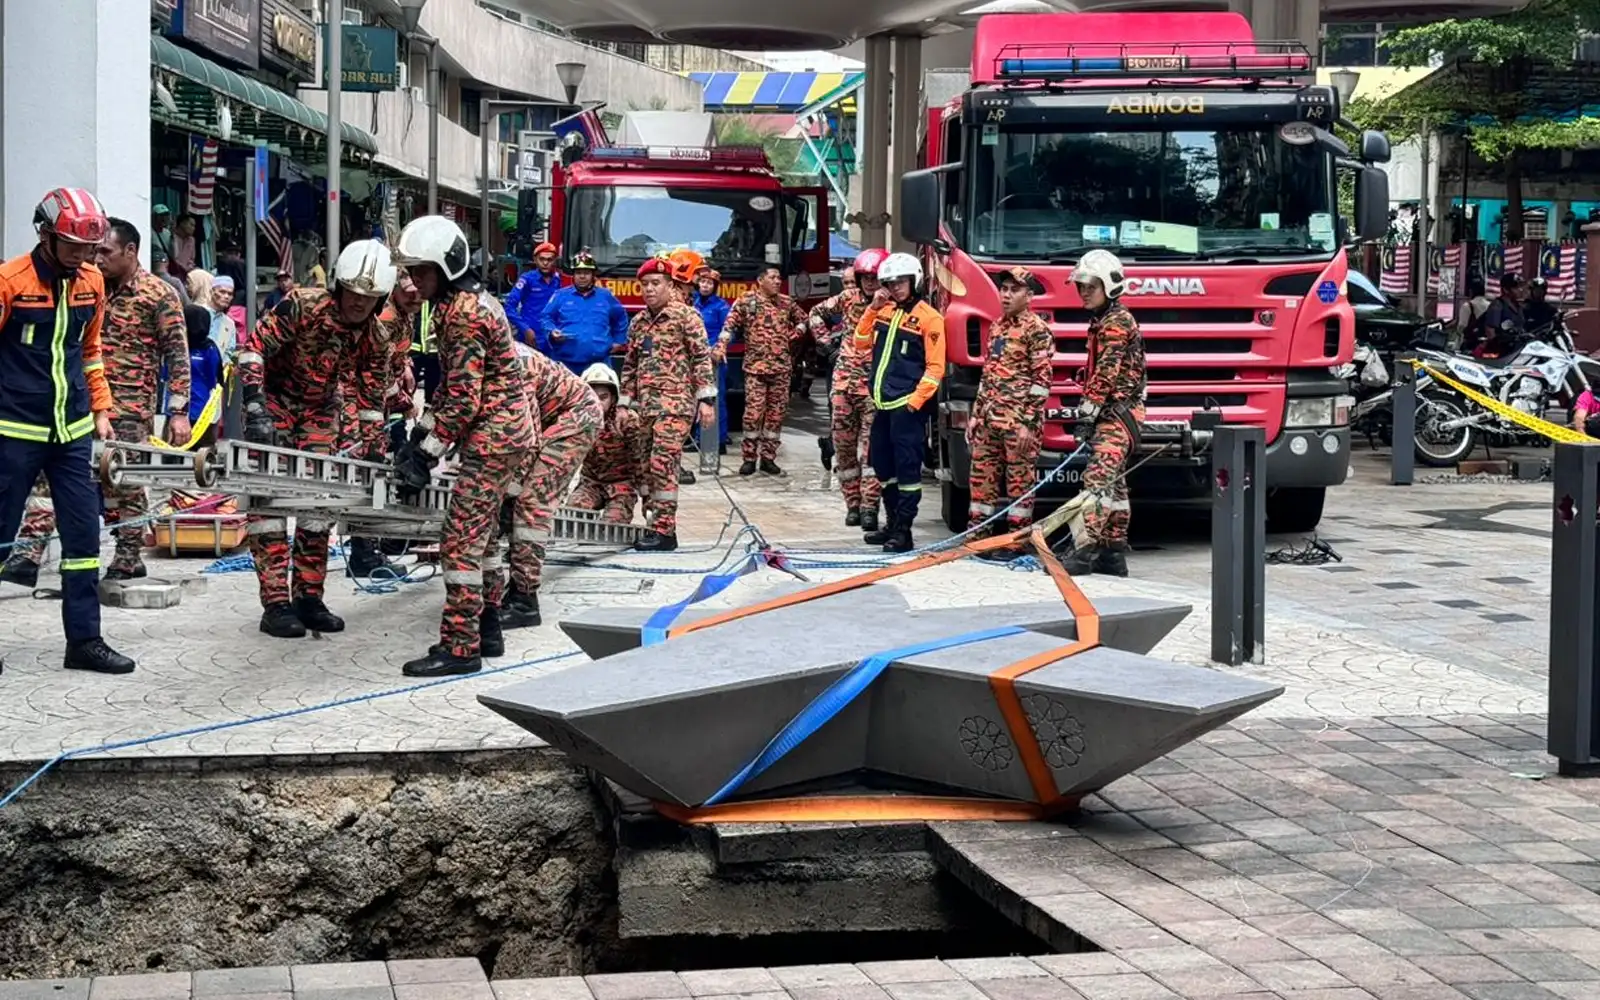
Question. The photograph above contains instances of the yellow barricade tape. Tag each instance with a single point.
(1527, 421)
(208, 416)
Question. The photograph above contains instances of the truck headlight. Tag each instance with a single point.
(1308, 412)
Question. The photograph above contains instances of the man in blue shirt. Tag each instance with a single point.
(713, 310)
(582, 323)
(525, 303)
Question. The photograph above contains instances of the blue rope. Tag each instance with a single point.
(838, 696)
(290, 713)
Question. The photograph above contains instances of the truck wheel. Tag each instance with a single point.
(954, 503)
(1294, 510)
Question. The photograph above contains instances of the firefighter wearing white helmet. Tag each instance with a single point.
(292, 367)
(1108, 416)
(905, 335)
(481, 413)
(614, 468)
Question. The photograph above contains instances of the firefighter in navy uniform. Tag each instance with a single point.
(54, 399)
(1109, 415)
(905, 337)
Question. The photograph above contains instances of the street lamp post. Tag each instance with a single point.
(412, 11)
(571, 76)
(335, 64)
(1345, 82)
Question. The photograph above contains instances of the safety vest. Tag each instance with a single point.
(422, 343)
(51, 373)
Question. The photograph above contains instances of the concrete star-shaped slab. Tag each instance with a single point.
(675, 721)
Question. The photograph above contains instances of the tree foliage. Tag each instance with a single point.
(743, 130)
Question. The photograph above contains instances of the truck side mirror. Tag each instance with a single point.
(1372, 203)
(1374, 146)
(919, 207)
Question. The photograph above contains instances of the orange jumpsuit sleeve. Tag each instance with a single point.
(94, 365)
(933, 352)
(864, 331)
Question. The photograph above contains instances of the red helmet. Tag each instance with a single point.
(868, 261)
(73, 214)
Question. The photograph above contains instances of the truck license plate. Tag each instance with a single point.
(1070, 476)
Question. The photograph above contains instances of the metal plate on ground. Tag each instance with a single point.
(617, 586)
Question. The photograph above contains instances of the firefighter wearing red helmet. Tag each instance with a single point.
(667, 377)
(833, 323)
(53, 397)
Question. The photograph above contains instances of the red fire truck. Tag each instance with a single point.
(1204, 160)
(628, 203)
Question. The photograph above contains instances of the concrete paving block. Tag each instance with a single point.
(436, 970)
(45, 989)
(930, 720)
(149, 594)
(146, 986)
(223, 982)
(340, 976)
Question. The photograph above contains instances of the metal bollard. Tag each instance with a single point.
(1572, 737)
(710, 437)
(1403, 453)
(1238, 545)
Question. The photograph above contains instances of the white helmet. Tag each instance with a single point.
(434, 239)
(601, 373)
(364, 267)
(901, 265)
(1104, 267)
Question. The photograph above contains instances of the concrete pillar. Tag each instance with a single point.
(873, 138)
(908, 114)
(75, 77)
(1284, 20)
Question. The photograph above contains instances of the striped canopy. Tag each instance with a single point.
(771, 91)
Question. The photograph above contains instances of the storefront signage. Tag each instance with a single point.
(370, 57)
(230, 29)
(288, 39)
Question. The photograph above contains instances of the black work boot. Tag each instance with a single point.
(440, 663)
(748, 468)
(869, 519)
(520, 610)
(1080, 560)
(899, 541)
(280, 622)
(362, 557)
(852, 517)
(655, 541)
(878, 536)
(825, 445)
(131, 570)
(95, 655)
(770, 467)
(21, 572)
(685, 477)
(1112, 560)
(491, 639)
(314, 615)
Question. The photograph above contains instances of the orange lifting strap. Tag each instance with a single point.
(888, 808)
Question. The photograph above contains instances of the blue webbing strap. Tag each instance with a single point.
(655, 629)
(837, 697)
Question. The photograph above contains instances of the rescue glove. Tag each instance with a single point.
(413, 469)
(258, 426)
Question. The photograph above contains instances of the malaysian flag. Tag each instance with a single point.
(1498, 259)
(1558, 264)
(1446, 260)
(202, 174)
(1395, 276)
(586, 124)
(276, 230)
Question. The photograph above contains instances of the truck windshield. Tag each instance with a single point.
(623, 226)
(1183, 194)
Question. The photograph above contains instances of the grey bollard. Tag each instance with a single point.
(1403, 454)
(710, 437)
(1571, 736)
(1238, 545)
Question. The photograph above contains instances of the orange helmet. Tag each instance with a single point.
(685, 264)
(710, 272)
(73, 214)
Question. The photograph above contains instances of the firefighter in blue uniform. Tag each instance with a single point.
(906, 337)
(54, 400)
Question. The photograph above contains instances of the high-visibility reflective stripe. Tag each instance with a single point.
(1039, 390)
(40, 504)
(910, 489)
(424, 342)
(267, 526)
(24, 432)
(58, 362)
(78, 428)
(464, 577)
(492, 564)
(984, 509)
(88, 564)
(888, 482)
(664, 495)
(432, 446)
(514, 490)
(523, 533)
(247, 358)
(849, 474)
(90, 366)
(369, 416)
(883, 362)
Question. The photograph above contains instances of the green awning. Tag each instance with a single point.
(274, 117)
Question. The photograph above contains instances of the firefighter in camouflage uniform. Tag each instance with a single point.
(291, 367)
(769, 321)
(666, 377)
(833, 324)
(569, 418)
(481, 412)
(1109, 416)
(1008, 415)
(611, 475)
(144, 331)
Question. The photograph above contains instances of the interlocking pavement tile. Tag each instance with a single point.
(1089, 963)
(1209, 981)
(1550, 966)
(637, 986)
(853, 991)
(1289, 976)
(719, 982)
(45, 989)
(552, 988)
(436, 970)
(1380, 973)
(1326, 946)
(444, 991)
(1241, 952)
(1467, 969)
(1507, 991)
(1002, 967)
(1027, 988)
(347, 993)
(1169, 959)
(339, 976)
(1500, 940)
(1418, 942)
(148, 986)
(799, 977)
(934, 989)
(260, 979)
(1127, 986)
